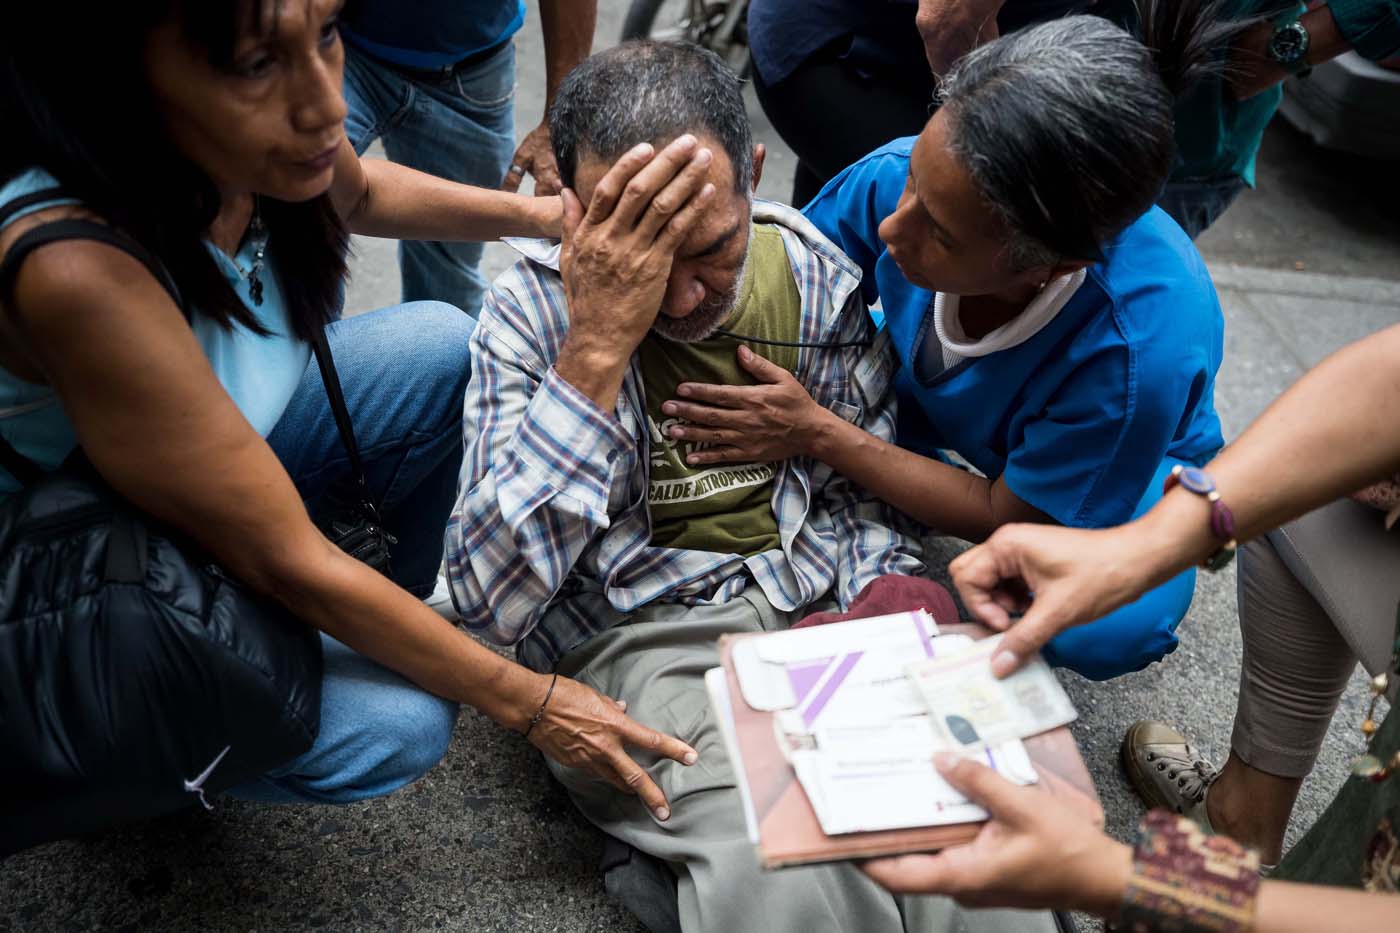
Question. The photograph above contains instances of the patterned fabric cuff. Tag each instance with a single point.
(1185, 881)
(570, 443)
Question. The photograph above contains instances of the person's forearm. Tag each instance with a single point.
(405, 204)
(1332, 433)
(943, 497)
(595, 369)
(364, 610)
(951, 28)
(1306, 908)
(567, 26)
(1255, 71)
(1335, 431)
(1281, 907)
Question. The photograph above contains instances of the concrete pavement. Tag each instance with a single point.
(487, 842)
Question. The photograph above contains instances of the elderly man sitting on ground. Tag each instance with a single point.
(583, 533)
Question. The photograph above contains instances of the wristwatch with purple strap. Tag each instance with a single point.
(1222, 520)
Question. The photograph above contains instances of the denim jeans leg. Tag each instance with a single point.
(460, 129)
(404, 371)
(1195, 204)
(378, 733)
(376, 97)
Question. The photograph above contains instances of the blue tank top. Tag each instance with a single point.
(259, 372)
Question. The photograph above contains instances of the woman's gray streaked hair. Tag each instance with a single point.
(1067, 127)
(646, 91)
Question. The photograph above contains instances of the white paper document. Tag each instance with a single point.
(863, 791)
(857, 728)
(973, 710)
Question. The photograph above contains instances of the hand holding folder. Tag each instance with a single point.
(832, 744)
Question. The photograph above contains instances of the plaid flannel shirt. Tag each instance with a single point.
(549, 541)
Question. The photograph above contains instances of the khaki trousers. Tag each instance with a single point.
(656, 662)
(1315, 597)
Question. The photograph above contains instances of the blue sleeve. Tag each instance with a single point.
(1133, 388)
(849, 209)
(1086, 458)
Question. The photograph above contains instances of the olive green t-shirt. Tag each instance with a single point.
(722, 508)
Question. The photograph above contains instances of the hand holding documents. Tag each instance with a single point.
(832, 731)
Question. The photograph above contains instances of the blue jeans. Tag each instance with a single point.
(1132, 637)
(404, 371)
(461, 128)
(1197, 203)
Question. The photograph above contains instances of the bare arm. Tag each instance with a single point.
(1305, 908)
(777, 419)
(944, 497)
(379, 198)
(1033, 856)
(1255, 71)
(153, 418)
(1330, 434)
(568, 27)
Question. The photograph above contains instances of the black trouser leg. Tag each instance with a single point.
(831, 115)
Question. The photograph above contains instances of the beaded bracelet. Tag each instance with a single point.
(1185, 881)
(1222, 520)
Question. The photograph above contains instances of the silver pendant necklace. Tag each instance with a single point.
(257, 237)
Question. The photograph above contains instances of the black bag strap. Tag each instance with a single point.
(78, 229)
(331, 379)
(71, 229)
(24, 470)
(51, 194)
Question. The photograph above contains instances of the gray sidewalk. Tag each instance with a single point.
(486, 842)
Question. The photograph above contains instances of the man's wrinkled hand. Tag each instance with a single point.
(774, 420)
(534, 157)
(616, 255)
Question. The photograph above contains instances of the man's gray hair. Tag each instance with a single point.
(1067, 128)
(649, 92)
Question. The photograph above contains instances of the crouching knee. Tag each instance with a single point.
(403, 745)
(1128, 639)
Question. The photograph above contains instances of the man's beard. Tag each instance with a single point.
(709, 315)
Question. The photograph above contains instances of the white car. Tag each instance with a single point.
(1349, 104)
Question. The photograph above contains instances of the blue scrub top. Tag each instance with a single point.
(1081, 416)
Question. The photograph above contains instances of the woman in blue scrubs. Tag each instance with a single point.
(1053, 329)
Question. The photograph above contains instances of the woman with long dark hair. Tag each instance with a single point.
(207, 138)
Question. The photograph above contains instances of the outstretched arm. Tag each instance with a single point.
(376, 197)
(1332, 433)
(1372, 28)
(1033, 856)
(777, 419)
